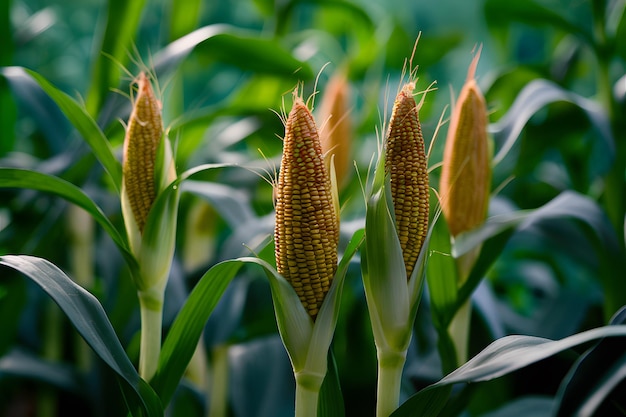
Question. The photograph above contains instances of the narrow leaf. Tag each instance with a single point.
(501, 357)
(90, 320)
(19, 178)
(442, 275)
(183, 336)
(536, 95)
(228, 44)
(330, 403)
(594, 377)
(78, 116)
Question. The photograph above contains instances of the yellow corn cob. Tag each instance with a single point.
(143, 135)
(307, 227)
(336, 136)
(405, 163)
(466, 171)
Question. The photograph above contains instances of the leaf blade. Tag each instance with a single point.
(90, 320)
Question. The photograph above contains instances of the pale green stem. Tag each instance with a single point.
(81, 249)
(219, 382)
(308, 386)
(390, 366)
(459, 327)
(151, 307)
(459, 331)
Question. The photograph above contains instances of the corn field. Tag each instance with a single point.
(313, 208)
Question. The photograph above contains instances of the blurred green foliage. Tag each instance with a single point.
(224, 69)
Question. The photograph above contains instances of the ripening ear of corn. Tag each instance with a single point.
(466, 172)
(143, 134)
(337, 134)
(307, 226)
(465, 188)
(406, 165)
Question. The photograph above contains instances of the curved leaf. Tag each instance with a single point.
(90, 320)
(20, 178)
(187, 328)
(501, 357)
(25, 91)
(183, 336)
(228, 44)
(534, 96)
(78, 116)
(593, 378)
(568, 204)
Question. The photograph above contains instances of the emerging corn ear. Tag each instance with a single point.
(466, 172)
(337, 135)
(143, 135)
(406, 165)
(307, 224)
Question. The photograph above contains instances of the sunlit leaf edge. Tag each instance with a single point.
(501, 357)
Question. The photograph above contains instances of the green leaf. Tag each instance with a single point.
(326, 321)
(121, 25)
(441, 275)
(568, 204)
(225, 43)
(384, 273)
(183, 336)
(620, 36)
(79, 118)
(536, 95)
(330, 403)
(501, 357)
(295, 325)
(159, 238)
(593, 378)
(90, 320)
(184, 17)
(502, 13)
(187, 328)
(19, 178)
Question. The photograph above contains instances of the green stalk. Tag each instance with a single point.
(81, 250)
(219, 382)
(308, 385)
(151, 308)
(390, 366)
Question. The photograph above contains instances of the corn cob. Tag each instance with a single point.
(405, 163)
(336, 136)
(143, 135)
(307, 226)
(466, 171)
